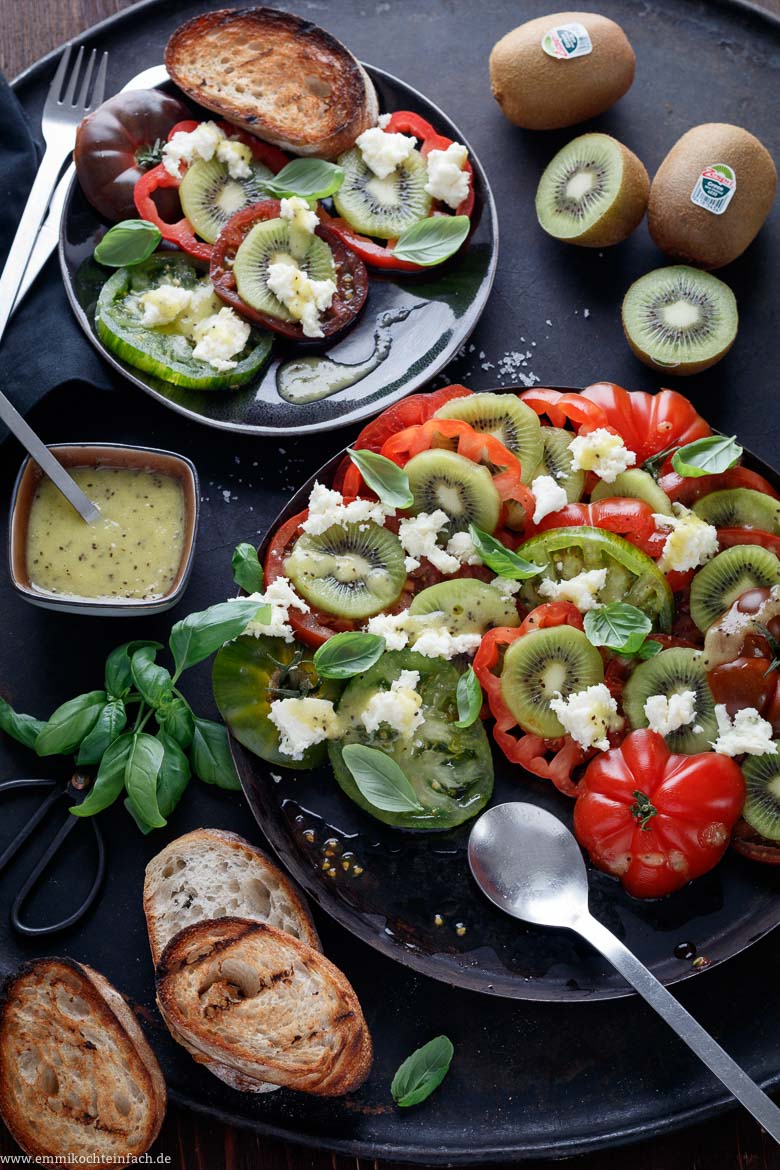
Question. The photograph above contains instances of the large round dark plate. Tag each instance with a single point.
(425, 318)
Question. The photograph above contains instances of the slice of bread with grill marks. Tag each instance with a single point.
(77, 1075)
(278, 76)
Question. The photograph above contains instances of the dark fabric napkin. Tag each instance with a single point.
(43, 346)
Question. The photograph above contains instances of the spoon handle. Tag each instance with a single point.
(687, 1028)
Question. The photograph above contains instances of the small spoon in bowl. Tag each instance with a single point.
(529, 865)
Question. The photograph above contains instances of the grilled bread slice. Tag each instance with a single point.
(267, 1005)
(210, 873)
(276, 75)
(76, 1073)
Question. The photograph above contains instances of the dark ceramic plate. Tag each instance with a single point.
(409, 329)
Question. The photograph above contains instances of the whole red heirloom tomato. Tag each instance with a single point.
(657, 820)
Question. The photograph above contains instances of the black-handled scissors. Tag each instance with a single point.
(73, 793)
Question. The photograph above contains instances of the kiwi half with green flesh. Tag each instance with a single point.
(464, 490)
(354, 571)
(679, 319)
(210, 197)
(506, 418)
(670, 673)
(740, 508)
(634, 484)
(593, 193)
(557, 461)
(467, 606)
(719, 583)
(269, 242)
(542, 664)
(383, 207)
(762, 794)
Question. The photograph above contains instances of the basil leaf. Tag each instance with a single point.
(174, 775)
(387, 479)
(130, 242)
(177, 721)
(200, 635)
(432, 240)
(119, 677)
(707, 456)
(110, 723)
(153, 682)
(345, 655)
(618, 626)
(69, 724)
(379, 779)
(649, 649)
(142, 767)
(311, 178)
(109, 781)
(210, 755)
(469, 698)
(422, 1072)
(23, 728)
(247, 570)
(501, 559)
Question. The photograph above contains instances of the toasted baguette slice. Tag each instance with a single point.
(210, 873)
(266, 1004)
(278, 76)
(76, 1073)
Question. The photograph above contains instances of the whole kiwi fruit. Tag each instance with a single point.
(737, 198)
(540, 91)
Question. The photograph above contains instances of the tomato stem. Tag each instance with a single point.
(642, 809)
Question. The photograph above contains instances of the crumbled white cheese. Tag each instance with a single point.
(462, 546)
(425, 633)
(668, 713)
(219, 338)
(588, 715)
(580, 590)
(302, 723)
(205, 142)
(447, 180)
(163, 304)
(442, 643)
(690, 542)
(398, 708)
(392, 627)
(747, 733)
(383, 120)
(327, 507)
(382, 152)
(299, 213)
(304, 298)
(418, 536)
(281, 596)
(549, 495)
(506, 587)
(236, 156)
(602, 452)
(204, 303)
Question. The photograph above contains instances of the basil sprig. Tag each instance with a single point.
(347, 654)
(431, 241)
(247, 570)
(387, 479)
(23, 728)
(618, 626)
(468, 695)
(709, 456)
(127, 243)
(379, 779)
(422, 1072)
(500, 559)
(310, 178)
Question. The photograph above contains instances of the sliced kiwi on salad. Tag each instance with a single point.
(670, 673)
(269, 242)
(210, 196)
(506, 418)
(634, 484)
(466, 605)
(541, 665)
(719, 583)
(762, 794)
(557, 461)
(352, 571)
(383, 208)
(464, 490)
(740, 508)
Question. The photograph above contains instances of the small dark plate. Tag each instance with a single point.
(409, 882)
(420, 321)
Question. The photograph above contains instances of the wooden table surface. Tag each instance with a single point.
(28, 29)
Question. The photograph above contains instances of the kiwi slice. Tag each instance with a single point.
(740, 508)
(680, 319)
(557, 461)
(593, 193)
(506, 418)
(634, 484)
(464, 490)
(270, 242)
(467, 605)
(352, 571)
(670, 673)
(541, 664)
(720, 582)
(210, 197)
(762, 794)
(383, 207)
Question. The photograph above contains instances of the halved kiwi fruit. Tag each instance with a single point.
(353, 571)
(506, 418)
(383, 207)
(467, 605)
(634, 484)
(732, 572)
(210, 197)
(762, 794)
(740, 508)
(541, 664)
(556, 461)
(269, 242)
(593, 193)
(670, 673)
(464, 490)
(680, 319)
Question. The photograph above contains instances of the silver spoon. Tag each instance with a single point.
(529, 864)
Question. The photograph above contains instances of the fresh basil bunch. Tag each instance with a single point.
(109, 728)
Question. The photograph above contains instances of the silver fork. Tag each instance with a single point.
(61, 115)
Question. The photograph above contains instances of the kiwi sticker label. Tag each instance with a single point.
(565, 41)
(714, 188)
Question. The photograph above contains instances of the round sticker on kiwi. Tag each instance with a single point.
(714, 188)
(565, 41)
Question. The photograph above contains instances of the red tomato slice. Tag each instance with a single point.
(630, 518)
(688, 490)
(728, 537)
(648, 423)
(753, 846)
(562, 407)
